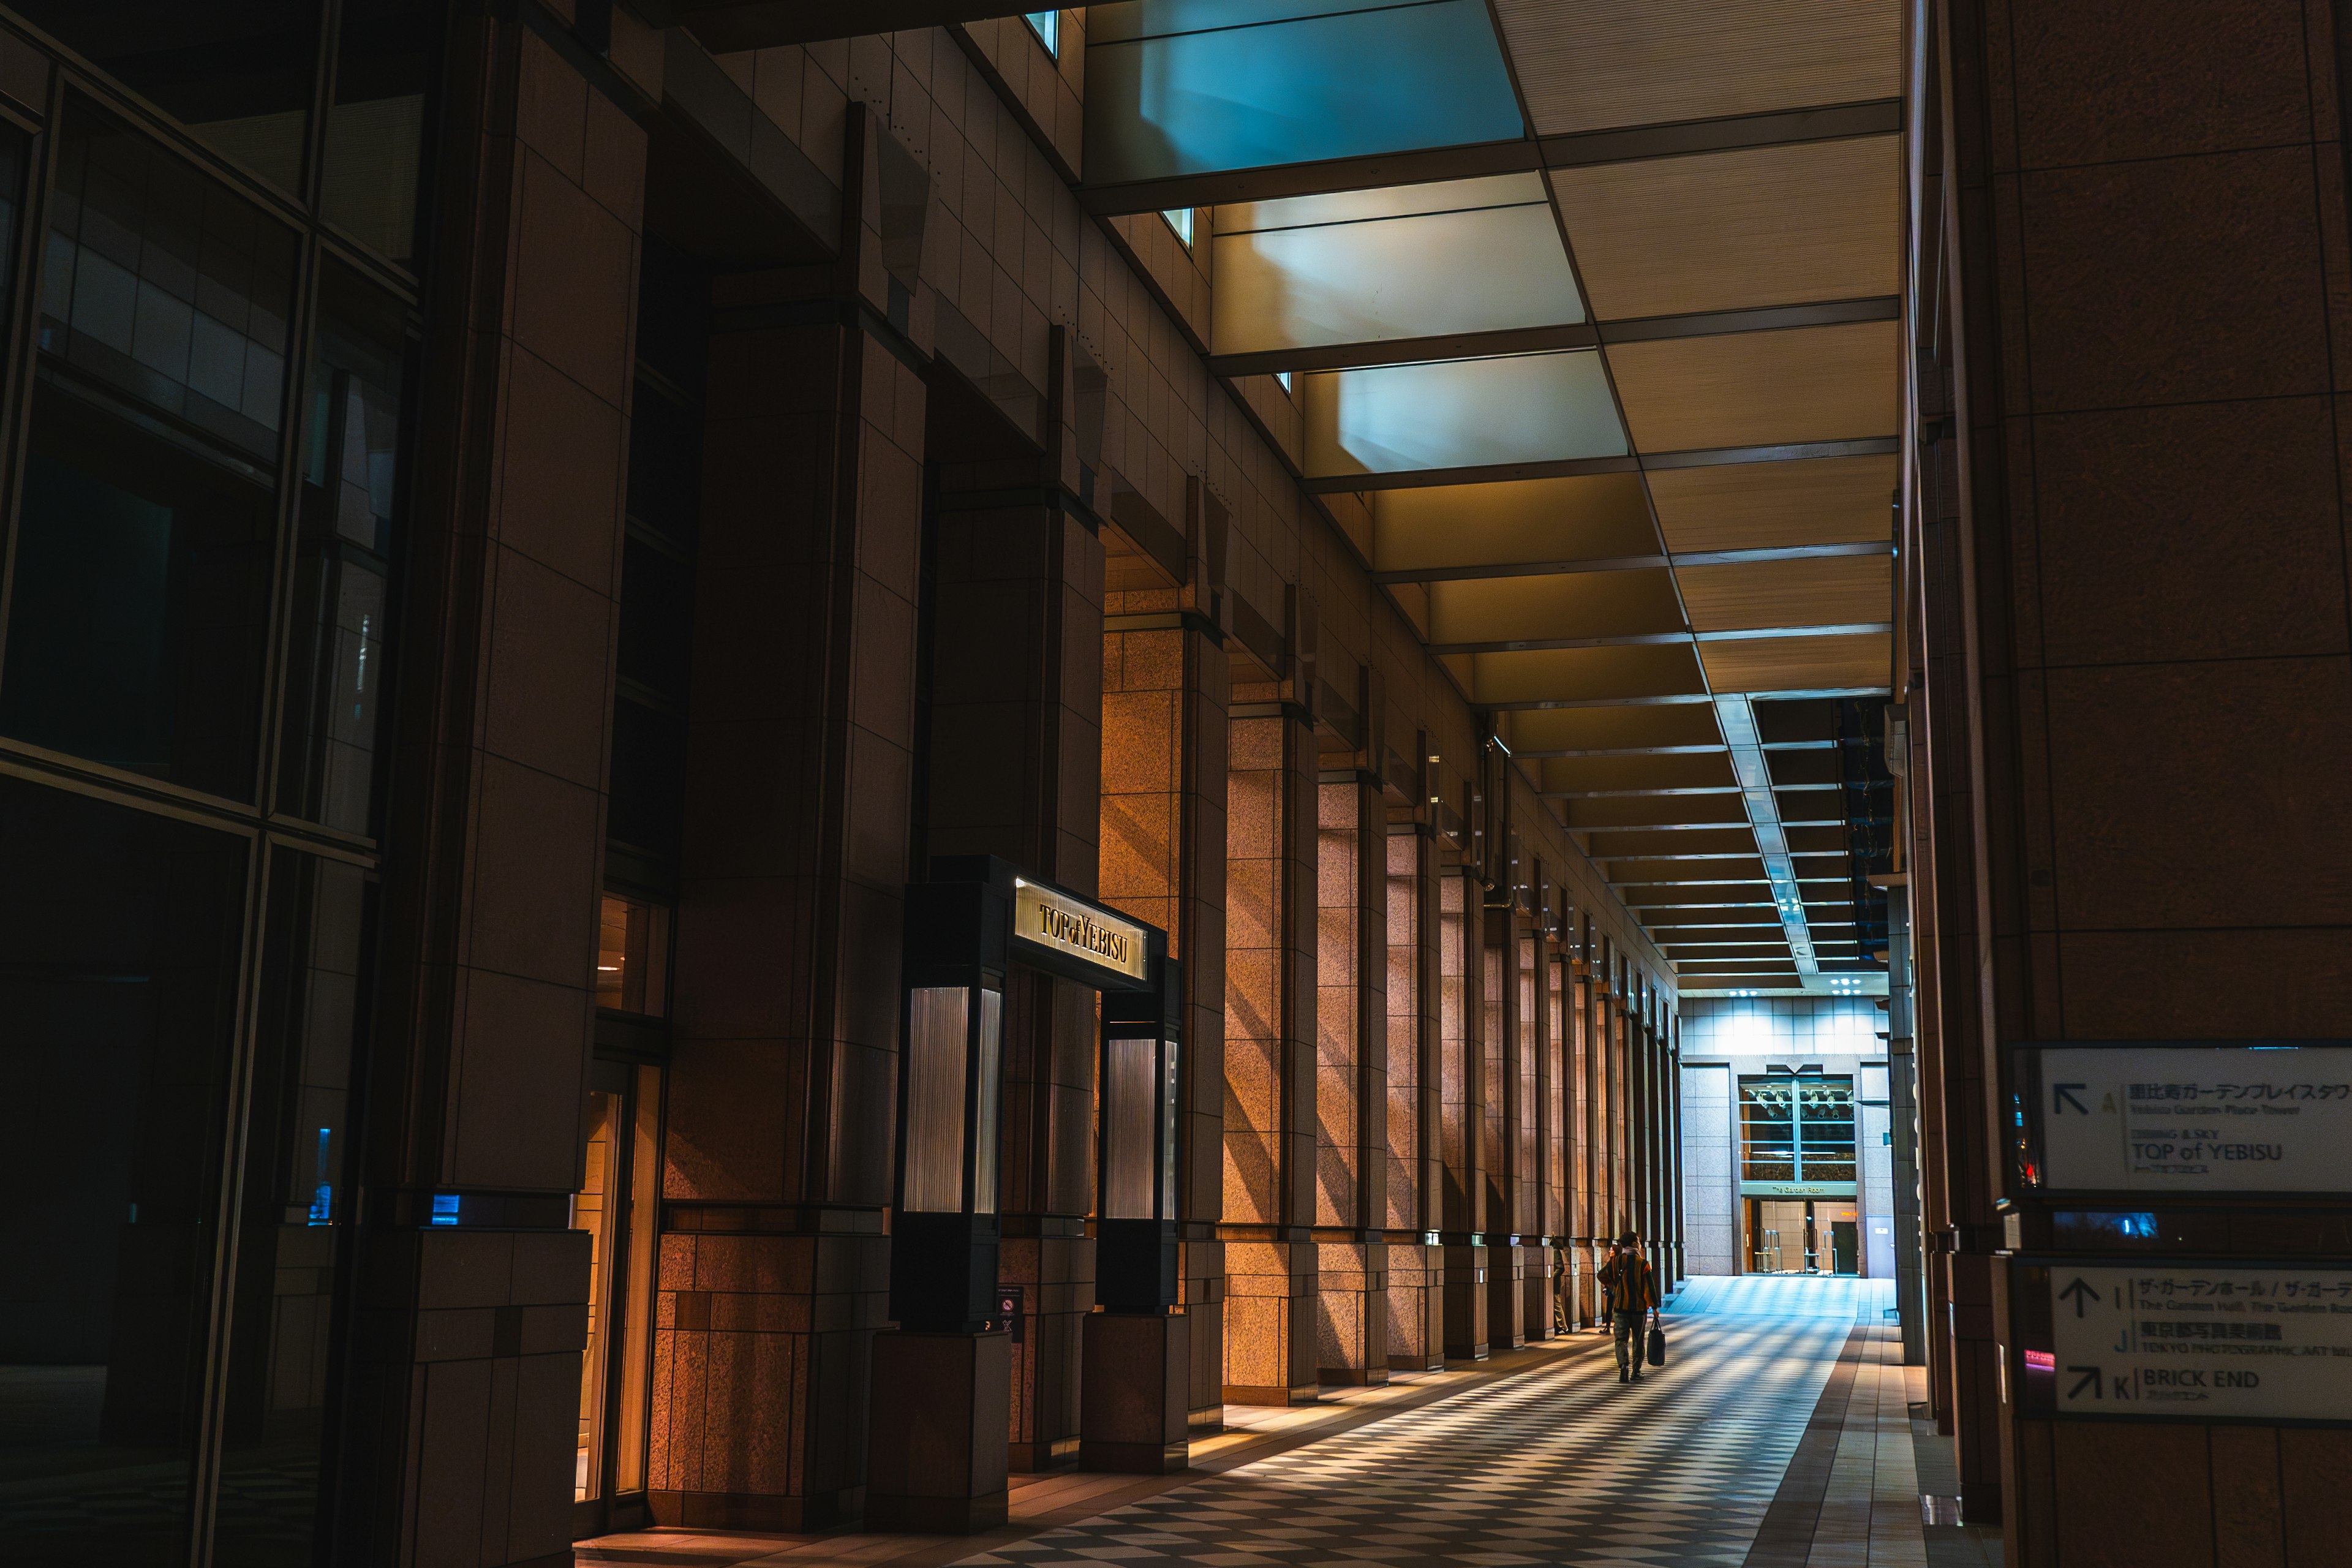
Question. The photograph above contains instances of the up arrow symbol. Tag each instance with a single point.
(2080, 1292)
(2090, 1381)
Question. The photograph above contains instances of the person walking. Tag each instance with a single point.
(1633, 1286)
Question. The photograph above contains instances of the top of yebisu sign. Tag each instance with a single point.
(1074, 928)
(2192, 1118)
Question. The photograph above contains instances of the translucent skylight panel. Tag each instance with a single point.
(1047, 26)
(1523, 408)
(1180, 220)
(1471, 269)
(1195, 89)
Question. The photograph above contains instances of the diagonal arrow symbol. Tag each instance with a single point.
(2080, 1292)
(2061, 1095)
(2090, 1381)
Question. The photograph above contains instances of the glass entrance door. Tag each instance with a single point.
(616, 1206)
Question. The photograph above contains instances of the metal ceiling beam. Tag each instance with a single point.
(1631, 563)
(1545, 704)
(1308, 358)
(1649, 640)
(1569, 468)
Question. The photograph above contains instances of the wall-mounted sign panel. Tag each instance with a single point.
(2188, 1118)
(2187, 1341)
(1797, 1189)
(1072, 929)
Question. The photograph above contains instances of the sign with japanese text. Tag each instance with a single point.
(2272, 1119)
(2192, 1342)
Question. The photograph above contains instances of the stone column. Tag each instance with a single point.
(801, 735)
(1415, 1169)
(1505, 1161)
(1535, 1126)
(1463, 1122)
(1270, 1045)
(464, 1393)
(1163, 839)
(1352, 1079)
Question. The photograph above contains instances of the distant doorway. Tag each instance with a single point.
(1797, 1173)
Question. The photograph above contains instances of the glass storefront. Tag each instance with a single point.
(197, 619)
(1797, 1174)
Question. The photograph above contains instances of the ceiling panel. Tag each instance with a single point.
(1352, 268)
(1796, 664)
(1834, 590)
(1704, 770)
(1560, 605)
(1518, 408)
(1584, 674)
(1613, 728)
(1750, 389)
(1647, 62)
(1594, 517)
(1654, 810)
(1770, 506)
(1633, 844)
(1793, 225)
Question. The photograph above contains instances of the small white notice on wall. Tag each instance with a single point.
(2193, 1342)
(2195, 1118)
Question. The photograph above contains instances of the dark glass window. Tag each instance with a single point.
(139, 599)
(351, 483)
(648, 775)
(120, 940)
(1796, 1129)
(294, 1206)
(376, 129)
(238, 73)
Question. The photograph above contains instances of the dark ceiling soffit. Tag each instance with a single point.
(1425, 479)
(1230, 185)
(1878, 117)
(1648, 639)
(726, 27)
(1541, 704)
(1407, 351)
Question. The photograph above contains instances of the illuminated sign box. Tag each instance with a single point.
(1074, 931)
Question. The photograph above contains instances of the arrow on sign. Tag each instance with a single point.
(2090, 1381)
(2061, 1095)
(2079, 1292)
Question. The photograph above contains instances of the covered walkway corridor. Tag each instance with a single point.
(1780, 1434)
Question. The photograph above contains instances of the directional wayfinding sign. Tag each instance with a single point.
(2192, 1119)
(2185, 1340)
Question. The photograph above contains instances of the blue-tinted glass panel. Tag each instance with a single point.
(1289, 90)
(1520, 409)
(351, 480)
(122, 932)
(1047, 26)
(139, 605)
(294, 1213)
(1180, 220)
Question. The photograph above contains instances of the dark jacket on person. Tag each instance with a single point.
(1632, 1283)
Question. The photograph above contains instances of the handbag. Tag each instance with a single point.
(1657, 1346)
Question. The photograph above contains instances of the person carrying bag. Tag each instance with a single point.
(1633, 1286)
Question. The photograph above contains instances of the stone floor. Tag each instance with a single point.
(1778, 1435)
